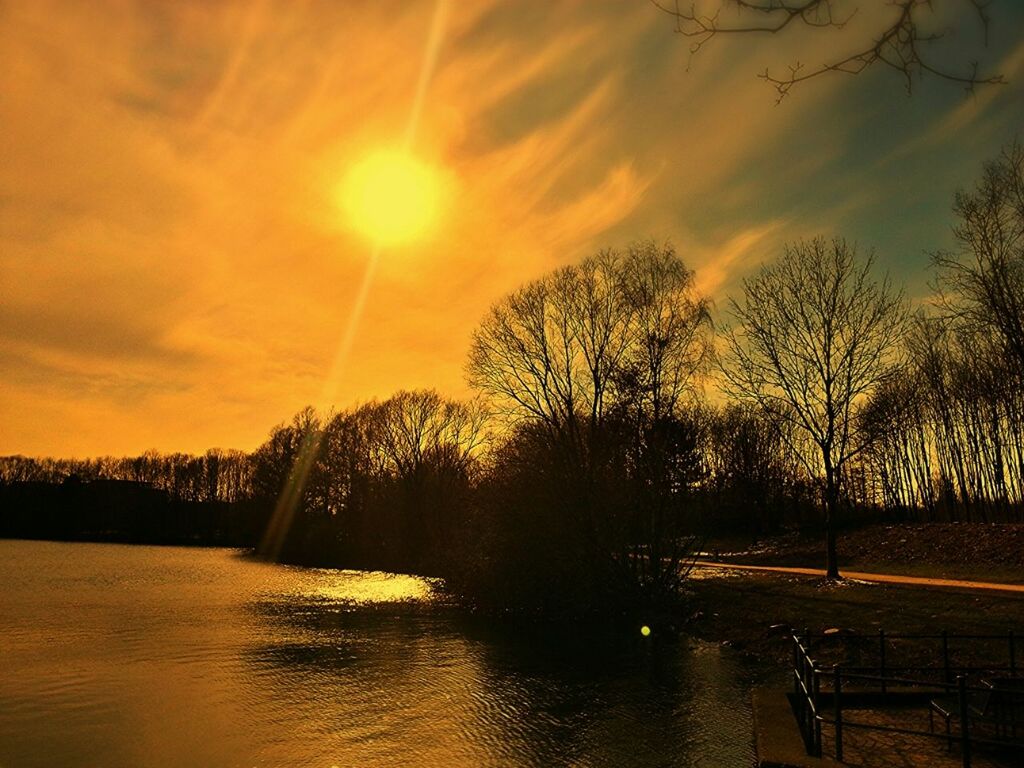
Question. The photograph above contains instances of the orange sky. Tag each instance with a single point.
(175, 272)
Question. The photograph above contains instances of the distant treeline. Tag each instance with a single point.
(153, 498)
(217, 475)
(592, 463)
(122, 511)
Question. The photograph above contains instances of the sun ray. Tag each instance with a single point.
(284, 511)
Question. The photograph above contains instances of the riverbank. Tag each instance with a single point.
(754, 613)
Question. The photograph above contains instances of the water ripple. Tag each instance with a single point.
(125, 656)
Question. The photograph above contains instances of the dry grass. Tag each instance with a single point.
(983, 552)
(755, 612)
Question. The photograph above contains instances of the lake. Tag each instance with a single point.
(116, 655)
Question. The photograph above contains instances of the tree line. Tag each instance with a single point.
(593, 461)
(217, 475)
(948, 432)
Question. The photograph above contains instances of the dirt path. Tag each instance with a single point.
(881, 578)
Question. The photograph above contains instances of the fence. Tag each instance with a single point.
(822, 692)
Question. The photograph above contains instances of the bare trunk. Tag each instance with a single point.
(831, 512)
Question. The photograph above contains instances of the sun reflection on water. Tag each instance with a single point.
(371, 587)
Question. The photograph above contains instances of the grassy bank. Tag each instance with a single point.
(970, 551)
(754, 612)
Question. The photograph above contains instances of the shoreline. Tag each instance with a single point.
(754, 613)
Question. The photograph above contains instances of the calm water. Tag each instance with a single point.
(144, 656)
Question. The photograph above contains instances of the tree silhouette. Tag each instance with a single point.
(983, 282)
(590, 364)
(813, 335)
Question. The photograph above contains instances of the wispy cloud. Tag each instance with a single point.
(175, 271)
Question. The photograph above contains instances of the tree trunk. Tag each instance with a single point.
(831, 510)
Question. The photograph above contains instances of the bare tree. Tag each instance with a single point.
(752, 472)
(982, 283)
(619, 325)
(668, 323)
(548, 351)
(900, 42)
(420, 428)
(597, 356)
(426, 449)
(812, 337)
(949, 434)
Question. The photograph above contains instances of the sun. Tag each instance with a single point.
(391, 197)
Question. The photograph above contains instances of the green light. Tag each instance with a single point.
(645, 630)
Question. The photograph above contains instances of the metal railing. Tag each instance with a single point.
(819, 689)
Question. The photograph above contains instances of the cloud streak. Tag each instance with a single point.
(176, 274)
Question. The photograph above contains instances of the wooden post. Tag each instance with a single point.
(837, 690)
(1013, 655)
(965, 721)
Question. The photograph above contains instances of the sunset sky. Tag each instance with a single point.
(178, 268)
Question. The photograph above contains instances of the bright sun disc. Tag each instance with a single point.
(390, 197)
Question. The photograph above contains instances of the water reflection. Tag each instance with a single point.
(365, 587)
(164, 657)
(434, 686)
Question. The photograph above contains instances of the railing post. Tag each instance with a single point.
(817, 720)
(837, 691)
(965, 736)
(796, 667)
(808, 711)
(799, 662)
(945, 656)
(881, 657)
(1013, 655)
(809, 721)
